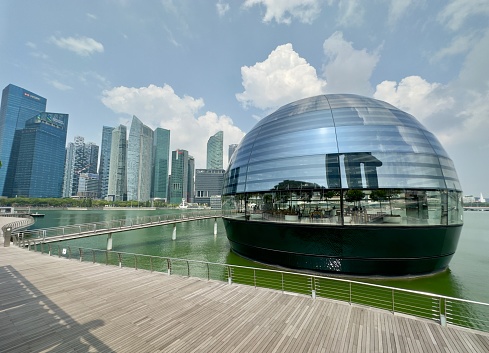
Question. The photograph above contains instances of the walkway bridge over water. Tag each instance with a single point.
(110, 227)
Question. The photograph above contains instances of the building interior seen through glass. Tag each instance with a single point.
(293, 201)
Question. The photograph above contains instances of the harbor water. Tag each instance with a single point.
(466, 278)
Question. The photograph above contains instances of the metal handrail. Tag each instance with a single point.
(124, 223)
(442, 309)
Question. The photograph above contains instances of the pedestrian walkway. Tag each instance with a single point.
(51, 304)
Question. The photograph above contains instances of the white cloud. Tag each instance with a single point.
(397, 8)
(348, 70)
(283, 77)
(222, 8)
(91, 16)
(350, 13)
(61, 86)
(456, 13)
(284, 11)
(415, 95)
(83, 46)
(162, 107)
(459, 45)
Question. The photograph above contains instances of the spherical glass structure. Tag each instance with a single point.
(325, 182)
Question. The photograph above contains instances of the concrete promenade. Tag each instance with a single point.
(51, 304)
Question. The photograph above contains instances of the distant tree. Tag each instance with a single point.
(354, 196)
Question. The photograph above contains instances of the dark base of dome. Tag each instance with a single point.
(352, 250)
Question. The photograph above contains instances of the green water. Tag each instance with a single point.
(467, 276)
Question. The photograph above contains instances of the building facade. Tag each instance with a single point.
(231, 150)
(139, 161)
(69, 170)
(208, 183)
(41, 156)
(179, 176)
(88, 185)
(103, 169)
(117, 187)
(18, 105)
(161, 154)
(214, 151)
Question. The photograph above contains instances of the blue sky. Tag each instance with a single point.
(200, 66)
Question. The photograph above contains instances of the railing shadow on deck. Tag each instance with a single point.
(442, 309)
(50, 329)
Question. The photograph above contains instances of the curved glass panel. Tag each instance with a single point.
(343, 142)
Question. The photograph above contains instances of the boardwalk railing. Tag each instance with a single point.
(100, 227)
(25, 222)
(442, 309)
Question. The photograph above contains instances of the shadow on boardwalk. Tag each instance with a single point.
(50, 304)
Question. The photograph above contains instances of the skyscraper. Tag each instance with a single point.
(81, 157)
(117, 188)
(103, 169)
(69, 170)
(161, 156)
(214, 151)
(191, 179)
(41, 156)
(231, 150)
(179, 176)
(18, 105)
(139, 161)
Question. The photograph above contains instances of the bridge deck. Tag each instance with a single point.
(53, 304)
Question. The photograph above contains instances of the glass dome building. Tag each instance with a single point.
(346, 184)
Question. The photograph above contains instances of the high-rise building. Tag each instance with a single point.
(103, 169)
(214, 151)
(18, 105)
(161, 154)
(191, 179)
(41, 156)
(208, 182)
(179, 176)
(231, 150)
(83, 158)
(117, 187)
(69, 170)
(88, 185)
(139, 161)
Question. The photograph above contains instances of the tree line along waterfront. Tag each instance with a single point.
(83, 202)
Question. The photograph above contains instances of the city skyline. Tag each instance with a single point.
(223, 66)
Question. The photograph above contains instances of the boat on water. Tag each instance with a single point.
(343, 184)
(37, 215)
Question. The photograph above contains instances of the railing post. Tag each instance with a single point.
(393, 303)
(93, 256)
(230, 276)
(283, 288)
(313, 288)
(81, 254)
(443, 315)
(350, 293)
(59, 252)
(69, 252)
(135, 262)
(208, 272)
(254, 277)
(168, 266)
(106, 257)
(49, 249)
(119, 256)
(188, 269)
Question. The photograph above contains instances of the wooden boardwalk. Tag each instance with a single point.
(51, 304)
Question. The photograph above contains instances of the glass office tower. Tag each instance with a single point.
(161, 155)
(117, 187)
(139, 161)
(179, 176)
(41, 156)
(214, 151)
(103, 169)
(343, 183)
(18, 105)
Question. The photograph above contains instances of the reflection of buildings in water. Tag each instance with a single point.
(359, 169)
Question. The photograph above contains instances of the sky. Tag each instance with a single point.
(196, 67)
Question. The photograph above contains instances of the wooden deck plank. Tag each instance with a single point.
(48, 302)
